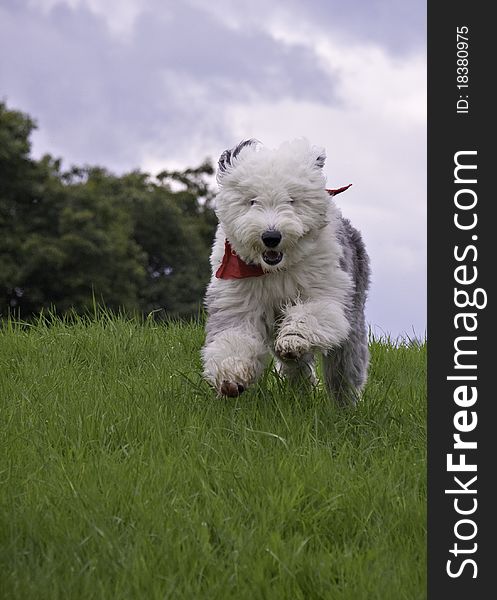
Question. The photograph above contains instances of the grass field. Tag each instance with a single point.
(123, 476)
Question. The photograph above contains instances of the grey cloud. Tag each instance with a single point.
(400, 26)
(97, 97)
(397, 25)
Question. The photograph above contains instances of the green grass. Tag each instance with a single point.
(123, 476)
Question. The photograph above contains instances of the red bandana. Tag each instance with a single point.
(233, 267)
(338, 190)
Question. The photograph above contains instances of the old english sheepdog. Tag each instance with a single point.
(290, 275)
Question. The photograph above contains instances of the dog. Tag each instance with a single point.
(290, 275)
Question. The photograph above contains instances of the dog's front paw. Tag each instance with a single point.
(231, 389)
(291, 347)
(234, 376)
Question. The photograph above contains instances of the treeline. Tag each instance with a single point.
(70, 238)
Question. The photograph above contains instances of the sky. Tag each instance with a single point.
(157, 85)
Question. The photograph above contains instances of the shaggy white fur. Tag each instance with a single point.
(315, 276)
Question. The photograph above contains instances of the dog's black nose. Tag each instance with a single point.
(271, 238)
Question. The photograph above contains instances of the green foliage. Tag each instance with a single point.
(68, 237)
(124, 476)
(19, 181)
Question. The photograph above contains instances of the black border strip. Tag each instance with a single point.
(449, 132)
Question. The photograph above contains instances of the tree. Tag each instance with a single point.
(21, 199)
(69, 236)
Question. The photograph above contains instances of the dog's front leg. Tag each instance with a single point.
(311, 325)
(234, 358)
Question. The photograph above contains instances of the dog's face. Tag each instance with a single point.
(271, 202)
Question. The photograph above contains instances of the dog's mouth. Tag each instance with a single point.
(272, 257)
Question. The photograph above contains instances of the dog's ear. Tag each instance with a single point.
(320, 157)
(228, 157)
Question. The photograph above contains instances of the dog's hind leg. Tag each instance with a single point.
(345, 368)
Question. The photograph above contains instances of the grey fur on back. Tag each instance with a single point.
(346, 367)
